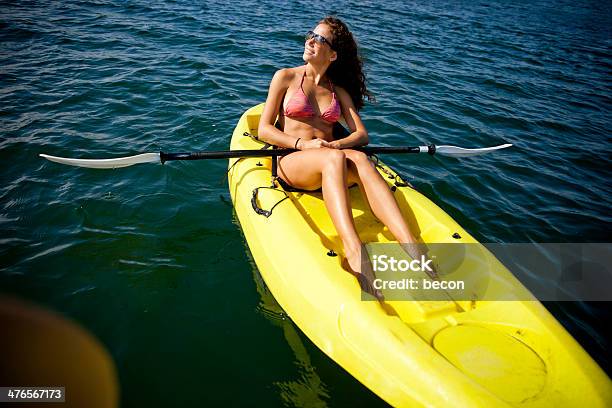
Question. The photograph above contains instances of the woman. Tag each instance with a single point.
(309, 99)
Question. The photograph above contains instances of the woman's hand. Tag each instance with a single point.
(334, 144)
(312, 144)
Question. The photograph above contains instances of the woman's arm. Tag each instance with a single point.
(359, 134)
(267, 131)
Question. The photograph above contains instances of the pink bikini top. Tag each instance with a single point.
(299, 106)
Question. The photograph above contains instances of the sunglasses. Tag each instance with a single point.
(318, 38)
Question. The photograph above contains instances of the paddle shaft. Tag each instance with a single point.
(227, 154)
(163, 157)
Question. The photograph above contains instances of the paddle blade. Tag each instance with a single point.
(455, 151)
(106, 163)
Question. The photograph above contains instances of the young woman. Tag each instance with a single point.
(308, 100)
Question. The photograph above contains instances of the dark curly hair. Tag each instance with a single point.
(347, 70)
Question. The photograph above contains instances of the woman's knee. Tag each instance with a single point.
(335, 157)
(359, 159)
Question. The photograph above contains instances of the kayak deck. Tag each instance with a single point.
(410, 353)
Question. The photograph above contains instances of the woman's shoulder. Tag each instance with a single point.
(288, 74)
(341, 92)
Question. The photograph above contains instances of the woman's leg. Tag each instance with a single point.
(377, 193)
(326, 169)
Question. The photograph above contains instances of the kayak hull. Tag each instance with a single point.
(410, 353)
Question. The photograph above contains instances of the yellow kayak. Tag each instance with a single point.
(469, 353)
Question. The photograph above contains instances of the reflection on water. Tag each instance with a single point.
(308, 390)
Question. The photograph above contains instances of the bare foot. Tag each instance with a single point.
(416, 251)
(364, 274)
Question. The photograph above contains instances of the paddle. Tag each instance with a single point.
(162, 157)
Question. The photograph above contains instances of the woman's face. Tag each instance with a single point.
(317, 51)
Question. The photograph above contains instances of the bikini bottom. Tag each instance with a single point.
(289, 188)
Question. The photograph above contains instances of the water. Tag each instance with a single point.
(151, 259)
